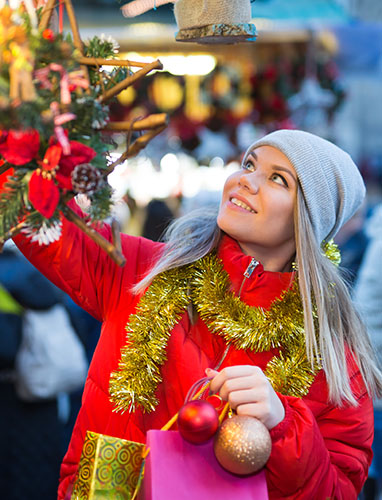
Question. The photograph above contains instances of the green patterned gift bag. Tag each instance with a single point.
(109, 468)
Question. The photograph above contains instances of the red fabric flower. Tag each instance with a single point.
(80, 153)
(43, 193)
(55, 173)
(3, 136)
(4, 176)
(20, 146)
(51, 158)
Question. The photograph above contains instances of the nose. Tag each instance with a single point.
(250, 181)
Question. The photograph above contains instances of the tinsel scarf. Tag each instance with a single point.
(205, 284)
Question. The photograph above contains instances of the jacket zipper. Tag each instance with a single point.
(247, 274)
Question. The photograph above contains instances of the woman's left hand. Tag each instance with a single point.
(248, 392)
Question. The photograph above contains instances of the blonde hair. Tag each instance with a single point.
(339, 325)
(196, 234)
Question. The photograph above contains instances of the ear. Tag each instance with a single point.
(138, 7)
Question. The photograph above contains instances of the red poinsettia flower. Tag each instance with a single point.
(20, 146)
(43, 193)
(55, 173)
(51, 158)
(4, 176)
(79, 153)
(3, 136)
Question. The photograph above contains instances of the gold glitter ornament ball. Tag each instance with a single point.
(242, 445)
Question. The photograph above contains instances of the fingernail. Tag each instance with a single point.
(208, 371)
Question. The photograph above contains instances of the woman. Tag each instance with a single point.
(304, 366)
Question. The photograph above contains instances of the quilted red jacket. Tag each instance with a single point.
(319, 451)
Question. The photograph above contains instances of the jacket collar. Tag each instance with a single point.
(248, 278)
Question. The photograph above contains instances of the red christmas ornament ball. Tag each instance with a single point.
(197, 421)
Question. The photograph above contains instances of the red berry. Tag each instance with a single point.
(48, 35)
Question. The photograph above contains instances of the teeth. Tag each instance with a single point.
(241, 204)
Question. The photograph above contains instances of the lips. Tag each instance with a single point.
(242, 203)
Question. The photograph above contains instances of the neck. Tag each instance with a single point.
(275, 260)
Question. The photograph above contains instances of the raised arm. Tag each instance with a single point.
(80, 268)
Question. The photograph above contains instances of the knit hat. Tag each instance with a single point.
(330, 181)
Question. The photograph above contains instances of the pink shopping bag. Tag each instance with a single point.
(178, 470)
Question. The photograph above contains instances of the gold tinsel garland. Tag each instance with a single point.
(206, 284)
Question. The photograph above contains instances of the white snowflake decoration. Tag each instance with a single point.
(45, 235)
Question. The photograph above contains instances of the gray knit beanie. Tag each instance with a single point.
(331, 183)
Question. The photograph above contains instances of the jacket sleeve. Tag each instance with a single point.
(321, 452)
(84, 271)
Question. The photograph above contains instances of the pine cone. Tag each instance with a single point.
(86, 179)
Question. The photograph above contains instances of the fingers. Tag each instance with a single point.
(211, 373)
(233, 372)
(249, 392)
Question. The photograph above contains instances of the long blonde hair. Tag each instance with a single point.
(339, 324)
(195, 235)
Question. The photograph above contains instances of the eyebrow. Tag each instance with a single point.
(276, 167)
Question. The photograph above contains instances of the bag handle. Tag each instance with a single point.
(194, 394)
(191, 396)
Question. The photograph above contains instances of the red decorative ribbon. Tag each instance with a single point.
(59, 120)
(61, 17)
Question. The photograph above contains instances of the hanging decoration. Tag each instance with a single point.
(54, 113)
(242, 445)
(232, 97)
(197, 421)
(205, 21)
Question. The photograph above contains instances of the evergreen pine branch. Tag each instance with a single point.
(101, 203)
(13, 203)
(35, 220)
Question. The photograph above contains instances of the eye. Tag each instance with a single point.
(279, 179)
(247, 165)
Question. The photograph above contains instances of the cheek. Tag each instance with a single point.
(229, 183)
(282, 210)
(288, 217)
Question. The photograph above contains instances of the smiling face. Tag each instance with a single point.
(257, 207)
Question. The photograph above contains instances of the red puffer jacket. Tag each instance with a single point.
(319, 451)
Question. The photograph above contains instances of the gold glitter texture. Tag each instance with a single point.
(332, 252)
(109, 468)
(242, 445)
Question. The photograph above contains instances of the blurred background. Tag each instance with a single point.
(316, 65)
